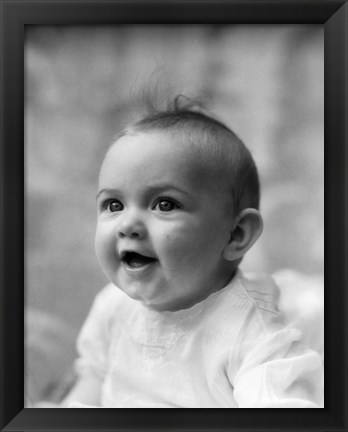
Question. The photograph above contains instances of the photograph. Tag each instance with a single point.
(175, 216)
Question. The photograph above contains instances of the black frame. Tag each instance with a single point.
(15, 15)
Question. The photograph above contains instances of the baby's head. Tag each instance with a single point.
(177, 208)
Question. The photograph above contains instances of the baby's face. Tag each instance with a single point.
(162, 222)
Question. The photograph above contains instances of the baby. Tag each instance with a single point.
(179, 325)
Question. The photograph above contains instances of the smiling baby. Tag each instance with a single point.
(180, 325)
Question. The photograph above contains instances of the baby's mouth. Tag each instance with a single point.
(135, 260)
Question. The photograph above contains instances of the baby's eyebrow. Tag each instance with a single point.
(104, 191)
(164, 186)
(152, 189)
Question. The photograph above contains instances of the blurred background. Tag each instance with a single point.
(83, 86)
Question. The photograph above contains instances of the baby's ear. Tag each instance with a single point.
(247, 229)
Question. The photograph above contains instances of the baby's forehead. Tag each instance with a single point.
(175, 150)
(200, 150)
(202, 153)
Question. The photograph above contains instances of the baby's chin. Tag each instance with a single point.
(172, 305)
(136, 291)
(154, 302)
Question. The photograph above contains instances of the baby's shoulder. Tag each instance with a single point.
(261, 291)
(263, 295)
(253, 298)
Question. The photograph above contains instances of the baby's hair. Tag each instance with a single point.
(186, 118)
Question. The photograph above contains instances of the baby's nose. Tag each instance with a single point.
(131, 226)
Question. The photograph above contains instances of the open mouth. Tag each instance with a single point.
(135, 260)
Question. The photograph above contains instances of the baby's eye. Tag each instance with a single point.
(114, 206)
(166, 205)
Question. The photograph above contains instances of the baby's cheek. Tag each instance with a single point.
(181, 248)
(99, 241)
(105, 246)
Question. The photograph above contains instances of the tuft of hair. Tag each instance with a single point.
(189, 120)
